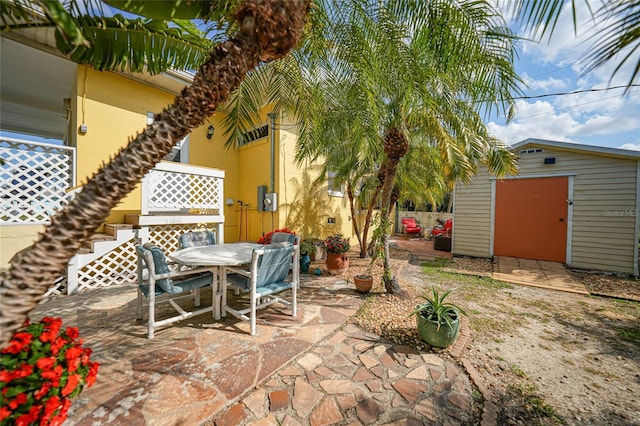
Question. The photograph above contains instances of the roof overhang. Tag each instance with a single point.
(579, 148)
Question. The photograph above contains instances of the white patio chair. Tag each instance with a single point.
(158, 284)
(268, 275)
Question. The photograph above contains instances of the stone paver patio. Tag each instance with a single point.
(314, 369)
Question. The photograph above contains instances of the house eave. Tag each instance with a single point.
(579, 148)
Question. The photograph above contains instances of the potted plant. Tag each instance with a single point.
(306, 248)
(438, 321)
(336, 246)
(363, 282)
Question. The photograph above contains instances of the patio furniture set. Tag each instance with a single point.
(440, 233)
(264, 272)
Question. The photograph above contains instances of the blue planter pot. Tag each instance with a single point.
(305, 261)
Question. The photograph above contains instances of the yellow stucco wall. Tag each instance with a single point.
(305, 206)
(114, 108)
(212, 153)
(15, 238)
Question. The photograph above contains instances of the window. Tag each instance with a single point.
(530, 151)
(334, 189)
(255, 134)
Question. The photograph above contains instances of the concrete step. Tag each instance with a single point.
(97, 238)
(112, 229)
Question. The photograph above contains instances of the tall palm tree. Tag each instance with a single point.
(264, 30)
(419, 69)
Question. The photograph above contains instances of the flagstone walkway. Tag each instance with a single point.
(315, 369)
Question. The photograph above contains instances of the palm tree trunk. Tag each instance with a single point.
(269, 30)
(396, 146)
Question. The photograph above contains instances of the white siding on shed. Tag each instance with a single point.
(604, 207)
(472, 217)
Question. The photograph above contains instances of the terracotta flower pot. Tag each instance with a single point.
(363, 283)
(337, 263)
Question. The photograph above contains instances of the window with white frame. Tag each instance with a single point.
(334, 189)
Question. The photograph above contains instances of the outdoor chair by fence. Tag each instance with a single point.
(411, 226)
(268, 275)
(158, 284)
(196, 239)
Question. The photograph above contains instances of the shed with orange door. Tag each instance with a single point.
(570, 203)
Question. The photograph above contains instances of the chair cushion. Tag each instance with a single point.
(239, 281)
(268, 289)
(161, 267)
(273, 266)
(283, 237)
(409, 221)
(197, 239)
(273, 273)
(182, 286)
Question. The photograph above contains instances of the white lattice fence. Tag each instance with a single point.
(120, 265)
(166, 236)
(34, 179)
(182, 188)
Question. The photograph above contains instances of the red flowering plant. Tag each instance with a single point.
(266, 238)
(43, 367)
(336, 244)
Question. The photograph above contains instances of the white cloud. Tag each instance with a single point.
(631, 146)
(563, 122)
(544, 85)
(535, 120)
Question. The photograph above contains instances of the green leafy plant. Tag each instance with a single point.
(42, 369)
(307, 247)
(336, 244)
(437, 310)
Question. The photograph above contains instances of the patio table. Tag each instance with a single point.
(216, 256)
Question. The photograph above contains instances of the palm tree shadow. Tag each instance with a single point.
(311, 208)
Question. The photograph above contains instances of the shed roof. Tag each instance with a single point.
(580, 148)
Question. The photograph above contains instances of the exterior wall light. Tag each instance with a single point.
(210, 131)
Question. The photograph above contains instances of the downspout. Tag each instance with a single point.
(272, 137)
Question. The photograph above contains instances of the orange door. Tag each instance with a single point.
(531, 218)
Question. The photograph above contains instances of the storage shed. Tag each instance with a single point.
(570, 203)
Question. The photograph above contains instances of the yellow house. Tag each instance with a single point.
(60, 121)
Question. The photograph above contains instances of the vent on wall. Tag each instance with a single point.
(530, 151)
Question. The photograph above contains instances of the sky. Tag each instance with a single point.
(605, 118)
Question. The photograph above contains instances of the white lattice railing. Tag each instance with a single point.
(119, 266)
(35, 177)
(176, 187)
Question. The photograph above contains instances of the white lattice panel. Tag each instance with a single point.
(57, 289)
(166, 236)
(34, 180)
(180, 191)
(120, 265)
(116, 267)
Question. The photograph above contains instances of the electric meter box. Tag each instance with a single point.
(271, 202)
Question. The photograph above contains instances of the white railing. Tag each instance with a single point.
(34, 178)
(182, 188)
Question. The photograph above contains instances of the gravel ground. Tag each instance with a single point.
(547, 357)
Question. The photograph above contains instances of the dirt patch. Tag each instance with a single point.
(546, 356)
